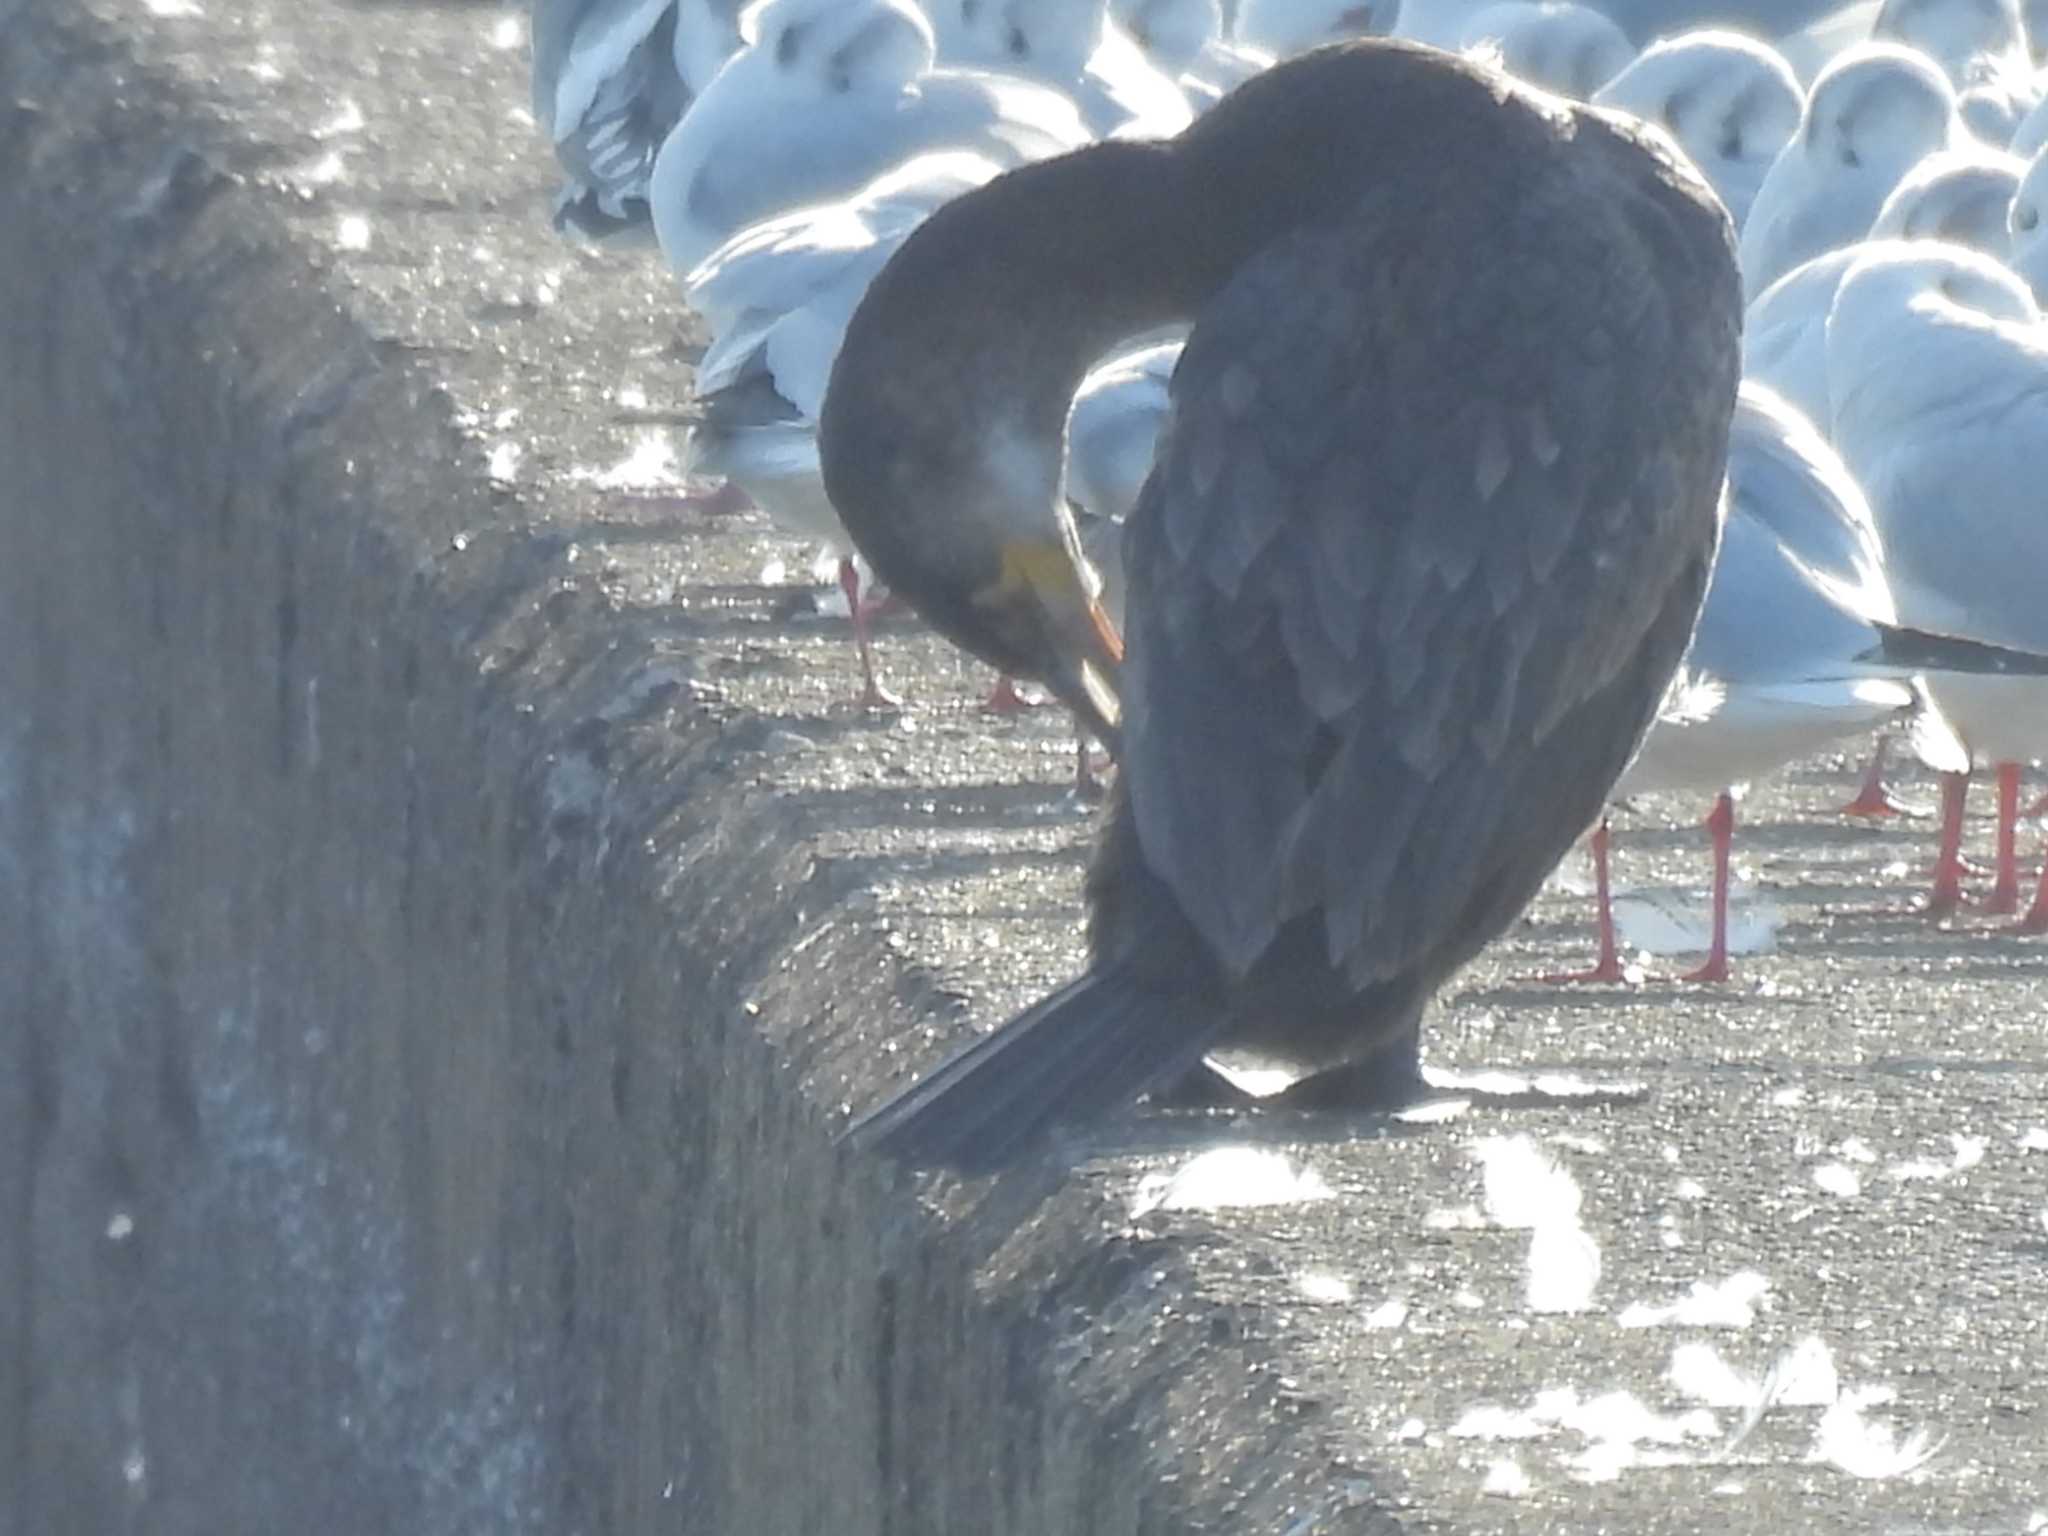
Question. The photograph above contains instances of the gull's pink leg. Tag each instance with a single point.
(872, 694)
(1004, 699)
(2005, 894)
(2036, 920)
(1873, 799)
(1947, 894)
(1720, 823)
(1608, 966)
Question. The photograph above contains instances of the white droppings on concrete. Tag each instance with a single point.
(1965, 1153)
(322, 172)
(1230, 1178)
(1525, 1188)
(1617, 1430)
(649, 465)
(1838, 1179)
(1522, 1185)
(1323, 1287)
(1454, 1218)
(1802, 1377)
(1387, 1316)
(1852, 1441)
(1564, 1268)
(1732, 1303)
(347, 118)
(1494, 1421)
(1505, 1479)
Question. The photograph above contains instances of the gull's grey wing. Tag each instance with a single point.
(605, 89)
(1786, 478)
(578, 45)
(830, 150)
(1767, 619)
(1367, 670)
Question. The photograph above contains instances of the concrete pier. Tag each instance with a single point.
(448, 905)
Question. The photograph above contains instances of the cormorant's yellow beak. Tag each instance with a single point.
(1045, 585)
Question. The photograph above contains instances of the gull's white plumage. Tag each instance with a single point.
(1112, 433)
(1872, 115)
(1557, 44)
(1962, 195)
(777, 298)
(1970, 39)
(1730, 101)
(1950, 448)
(1788, 634)
(1184, 39)
(2026, 227)
(827, 95)
(1071, 46)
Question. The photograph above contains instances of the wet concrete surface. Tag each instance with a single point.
(1860, 1119)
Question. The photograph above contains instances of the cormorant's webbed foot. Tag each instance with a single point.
(1389, 1079)
(1202, 1087)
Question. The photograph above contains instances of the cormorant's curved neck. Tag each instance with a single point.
(997, 302)
(995, 307)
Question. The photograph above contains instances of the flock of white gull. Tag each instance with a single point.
(1886, 165)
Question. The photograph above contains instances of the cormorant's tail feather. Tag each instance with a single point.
(1921, 649)
(1082, 1053)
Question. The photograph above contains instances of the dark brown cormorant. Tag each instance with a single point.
(1427, 533)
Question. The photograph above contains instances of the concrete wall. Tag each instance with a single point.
(402, 1017)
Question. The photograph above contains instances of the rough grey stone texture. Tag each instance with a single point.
(446, 905)
(407, 972)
